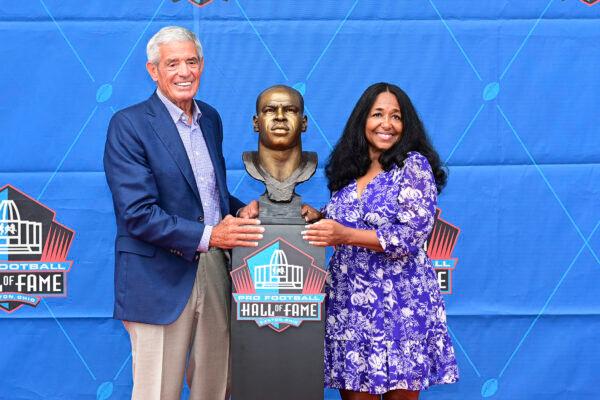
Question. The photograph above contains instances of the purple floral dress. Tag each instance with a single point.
(386, 322)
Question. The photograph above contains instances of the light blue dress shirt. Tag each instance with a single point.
(204, 172)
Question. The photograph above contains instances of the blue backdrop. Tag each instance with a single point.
(508, 90)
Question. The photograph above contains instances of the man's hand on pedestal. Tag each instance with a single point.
(249, 211)
(233, 232)
(310, 214)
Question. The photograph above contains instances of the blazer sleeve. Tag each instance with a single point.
(135, 193)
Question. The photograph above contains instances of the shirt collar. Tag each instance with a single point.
(176, 112)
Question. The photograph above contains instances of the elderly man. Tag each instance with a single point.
(165, 168)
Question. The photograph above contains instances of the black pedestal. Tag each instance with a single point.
(277, 318)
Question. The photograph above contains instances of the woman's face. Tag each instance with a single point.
(384, 124)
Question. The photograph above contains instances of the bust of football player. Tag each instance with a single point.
(280, 162)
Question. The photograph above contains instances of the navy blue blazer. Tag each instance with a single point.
(158, 209)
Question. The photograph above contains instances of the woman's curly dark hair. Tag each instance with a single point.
(350, 157)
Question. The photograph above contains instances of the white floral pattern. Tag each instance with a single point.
(386, 322)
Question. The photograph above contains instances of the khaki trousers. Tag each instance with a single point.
(198, 338)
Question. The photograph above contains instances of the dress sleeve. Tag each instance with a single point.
(417, 200)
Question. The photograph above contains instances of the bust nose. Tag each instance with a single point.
(279, 114)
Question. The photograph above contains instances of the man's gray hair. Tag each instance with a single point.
(170, 34)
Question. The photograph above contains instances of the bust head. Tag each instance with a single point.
(279, 119)
(280, 162)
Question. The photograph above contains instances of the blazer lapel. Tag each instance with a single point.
(165, 129)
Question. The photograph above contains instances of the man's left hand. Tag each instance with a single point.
(310, 214)
(249, 211)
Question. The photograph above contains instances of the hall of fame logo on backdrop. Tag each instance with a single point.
(278, 286)
(33, 251)
(198, 3)
(440, 246)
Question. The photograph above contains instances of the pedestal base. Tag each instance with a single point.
(277, 318)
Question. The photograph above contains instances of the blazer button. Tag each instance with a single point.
(201, 219)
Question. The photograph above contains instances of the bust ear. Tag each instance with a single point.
(255, 123)
(304, 123)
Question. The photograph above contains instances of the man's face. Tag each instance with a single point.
(178, 71)
(279, 120)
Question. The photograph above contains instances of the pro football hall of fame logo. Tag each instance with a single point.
(33, 251)
(439, 249)
(280, 286)
(198, 3)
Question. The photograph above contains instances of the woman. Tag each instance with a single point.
(386, 331)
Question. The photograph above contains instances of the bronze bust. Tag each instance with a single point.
(280, 162)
